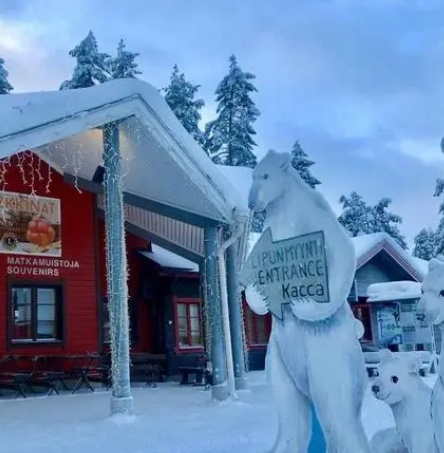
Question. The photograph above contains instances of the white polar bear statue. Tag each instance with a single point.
(313, 354)
(401, 387)
(431, 305)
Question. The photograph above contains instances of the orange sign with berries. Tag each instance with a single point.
(29, 225)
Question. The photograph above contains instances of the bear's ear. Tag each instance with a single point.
(414, 363)
(283, 160)
(384, 355)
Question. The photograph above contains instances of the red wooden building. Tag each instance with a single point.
(53, 276)
(56, 295)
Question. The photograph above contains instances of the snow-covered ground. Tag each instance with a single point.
(170, 419)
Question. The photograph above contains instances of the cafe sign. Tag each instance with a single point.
(288, 270)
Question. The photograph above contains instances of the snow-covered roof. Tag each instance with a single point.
(169, 260)
(162, 161)
(367, 246)
(382, 292)
(363, 244)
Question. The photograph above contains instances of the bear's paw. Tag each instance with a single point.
(307, 309)
(255, 300)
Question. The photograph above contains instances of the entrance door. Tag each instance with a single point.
(156, 323)
(362, 312)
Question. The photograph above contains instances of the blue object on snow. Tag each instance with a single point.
(317, 442)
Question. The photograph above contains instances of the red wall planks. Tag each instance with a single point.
(83, 241)
(77, 238)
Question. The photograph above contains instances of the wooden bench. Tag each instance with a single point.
(202, 373)
(21, 375)
(427, 358)
(147, 365)
(371, 362)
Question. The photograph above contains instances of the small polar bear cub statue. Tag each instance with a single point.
(401, 387)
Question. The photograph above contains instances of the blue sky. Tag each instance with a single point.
(360, 84)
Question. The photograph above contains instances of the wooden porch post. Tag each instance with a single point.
(236, 317)
(121, 399)
(213, 305)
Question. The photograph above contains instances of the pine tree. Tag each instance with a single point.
(360, 218)
(357, 215)
(387, 222)
(439, 189)
(180, 96)
(5, 86)
(426, 242)
(91, 67)
(229, 138)
(302, 164)
(124, 66)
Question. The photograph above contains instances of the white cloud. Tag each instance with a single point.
(19, 38)
(425, 150)
(32, 64)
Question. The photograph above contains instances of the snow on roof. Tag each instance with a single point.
(33, 120)
(364, 244)
(422, 265)
(382, 292)
(170, 260)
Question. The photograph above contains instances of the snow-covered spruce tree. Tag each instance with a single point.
(180, 96)
(360, 218)
(357, 215)
(5, 86)
(302, 164)
(439, 189)
(385, 221)
(123, 65)
(426, 242)
(91, 67)
(229, 138)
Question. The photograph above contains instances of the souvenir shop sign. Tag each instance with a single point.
(29, 225)
(288, 270)
(390, 331)
(415, 330)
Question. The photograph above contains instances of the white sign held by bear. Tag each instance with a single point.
(287, 270)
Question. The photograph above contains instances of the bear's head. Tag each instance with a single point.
(397, 377)
(431, 304)
(268, 180)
